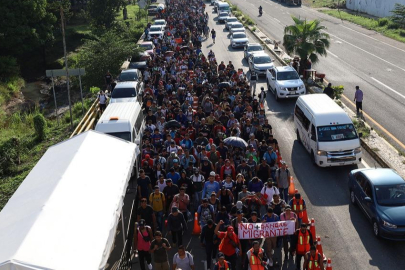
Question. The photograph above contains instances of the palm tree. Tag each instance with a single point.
(306, 39)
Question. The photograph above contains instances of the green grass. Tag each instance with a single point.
(361, 127)
(323, 3)
(383, 25)
(133, 14)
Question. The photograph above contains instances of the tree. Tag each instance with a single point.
(399, 14)
(105, 52)
(306, 39)
(102, 13)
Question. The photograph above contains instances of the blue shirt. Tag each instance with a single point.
(273, 218)
(175, 177)
(209, 188)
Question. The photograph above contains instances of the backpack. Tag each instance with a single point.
(287, 171)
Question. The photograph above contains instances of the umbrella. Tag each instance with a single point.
(169, 53)
(236, 142)
(173, 123)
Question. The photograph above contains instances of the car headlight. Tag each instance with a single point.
(302, 87)
(389, 225)
(283, 89)
(357, 150)
(322, 153)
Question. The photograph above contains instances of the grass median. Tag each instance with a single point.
(384, 26)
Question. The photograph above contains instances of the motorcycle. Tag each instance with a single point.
(260, 12)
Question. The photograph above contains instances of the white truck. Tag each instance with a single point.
(284, 82)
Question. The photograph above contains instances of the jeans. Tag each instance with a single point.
(159, 220)
(210, 252)
(161, 266)
(177, 237)
(253, 87)
(298, 261)
(284, 194)
(144, 255)
(197, 199)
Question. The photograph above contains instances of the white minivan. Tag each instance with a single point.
(123, 120)
(223, 7)
(326, 131)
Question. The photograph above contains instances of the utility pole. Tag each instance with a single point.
(66, 64)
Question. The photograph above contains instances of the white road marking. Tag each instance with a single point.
(392, 46)
(389, 88)
(277, 20)
(332, 54)
(365, 163)
(357, 47)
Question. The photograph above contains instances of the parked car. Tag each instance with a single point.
(285, 82)
(236, 27)
(252, 48)
(230, 20)
(148, 46)
(126, 92)
(222, 16)
(260, 62)
(239, 39)
(152, 9)
(139, 61)
(380, 194)
(160, 22)
(130, 75)
(155, 30)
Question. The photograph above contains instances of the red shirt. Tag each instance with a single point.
(226, 247)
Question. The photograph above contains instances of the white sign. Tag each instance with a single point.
(269, 229)
(62, 72)
(142, 3)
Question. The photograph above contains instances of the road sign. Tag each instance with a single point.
(142, 3)
(62, 72)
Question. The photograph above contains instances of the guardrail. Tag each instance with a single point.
(89, 120)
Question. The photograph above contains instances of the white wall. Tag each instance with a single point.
(380, 8)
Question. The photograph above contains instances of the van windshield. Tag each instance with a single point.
(225, 8)
(122, 135)
(336, 133)
(123, 93)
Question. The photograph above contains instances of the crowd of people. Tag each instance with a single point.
(193, 103)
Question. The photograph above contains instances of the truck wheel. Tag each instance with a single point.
(276, 96)
(313, 158)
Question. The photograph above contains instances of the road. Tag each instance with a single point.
(356, 57)
(347, 236)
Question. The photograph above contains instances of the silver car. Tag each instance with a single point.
(252, 48)
(260, 62)
(222, 16)
(239, 39)
(230, 20)
(236, 27)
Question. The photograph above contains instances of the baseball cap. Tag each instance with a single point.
(239, 205)
(141, 223)
(221, 255)
(175, 209)
(212, 173)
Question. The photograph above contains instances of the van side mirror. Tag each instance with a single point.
(273, 78)
(368, 199)
(360, 134)
(313, 137)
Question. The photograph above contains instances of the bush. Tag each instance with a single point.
(249, 21)
(338, 91)
(94, 90)
(40, 126)
(402, 33)
(392, 25)
(8, 68)
(9, 155)
(383, 22)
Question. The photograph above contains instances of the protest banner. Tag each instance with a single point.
(270, 229)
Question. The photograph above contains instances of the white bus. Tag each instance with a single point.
(122, 120)
(326, 131)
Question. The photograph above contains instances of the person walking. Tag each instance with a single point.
(145, 213)
(253, 80)
(158, 203)
(230, 245)
(288, 215)
(270, 242)
(102, 101)
(329, 91)
(283, 180)
(183, 259)
(358, 98)
(159, 248)
(142, 242)
(256, 258)
(298, 206)
(213, 35)
(301, 242)
(209, 241)
(222, 264)
(313, 260)
(205, 212)
(176, 224)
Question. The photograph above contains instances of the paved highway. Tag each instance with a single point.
(347, 236)
(356, 57)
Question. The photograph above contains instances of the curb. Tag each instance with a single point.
(363, 143)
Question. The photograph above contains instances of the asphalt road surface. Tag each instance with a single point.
(347, 236)
(356, 56)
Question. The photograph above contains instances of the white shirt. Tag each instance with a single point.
(270, 192)
(161, 186)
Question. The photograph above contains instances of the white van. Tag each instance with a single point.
(326, 131)
(223, 7)
(127, 92)
(122, 120)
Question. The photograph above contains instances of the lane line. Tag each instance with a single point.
(377, 124)
(365, 163)
(392, 46)
(386, 86)
(357, 47)
(332, 54)
(277, 20)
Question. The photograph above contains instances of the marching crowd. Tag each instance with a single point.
(215, 156)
